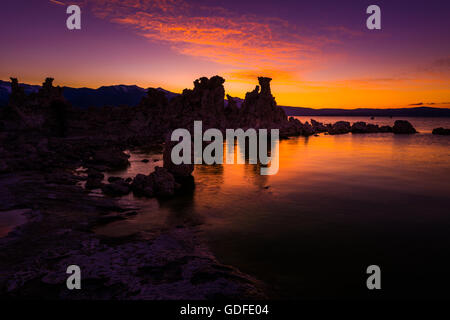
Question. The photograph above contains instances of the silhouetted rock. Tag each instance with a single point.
(359, 127)
(293, 127)
(259, 109)
(160, 183)
(155, 99)
(45, 110)
(232, 113)
(340, 127)
(385, 129)
(441, 131)
(205, 102)
(362, 127)
(318, 126)
(403, 127)
(307, 129)
(163, 182)
(143, 186)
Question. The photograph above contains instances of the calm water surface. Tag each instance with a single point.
(337, 205)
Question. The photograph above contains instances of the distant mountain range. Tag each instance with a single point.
(366, 112)
(131, 95)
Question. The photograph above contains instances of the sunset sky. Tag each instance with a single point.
(319, 53)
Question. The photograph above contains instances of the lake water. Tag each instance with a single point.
(337, 205)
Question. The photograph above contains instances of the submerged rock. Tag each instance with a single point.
(294, 127)
(403, 127)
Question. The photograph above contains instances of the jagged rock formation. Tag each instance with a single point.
(44, 110)
(259, 109)
(318, 126)
(156, 116)
(206, 102)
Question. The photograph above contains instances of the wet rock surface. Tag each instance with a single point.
(61, 218)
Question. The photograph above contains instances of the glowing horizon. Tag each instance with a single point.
(318, 58)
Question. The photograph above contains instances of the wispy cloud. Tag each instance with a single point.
(246, 42)
(429, 104)
(442, 64)
(57, 2)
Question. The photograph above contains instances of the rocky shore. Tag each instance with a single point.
(52, 155)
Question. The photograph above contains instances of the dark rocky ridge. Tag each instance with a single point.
(156, 115)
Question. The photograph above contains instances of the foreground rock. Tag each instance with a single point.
(441, 131)
(403, 127)
(170, 264)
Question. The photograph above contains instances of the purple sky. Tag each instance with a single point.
(319, 53)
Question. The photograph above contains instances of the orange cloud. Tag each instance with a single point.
(57, 2)
(214, 33)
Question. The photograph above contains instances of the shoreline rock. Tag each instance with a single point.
(441, 131)
(403, 127)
